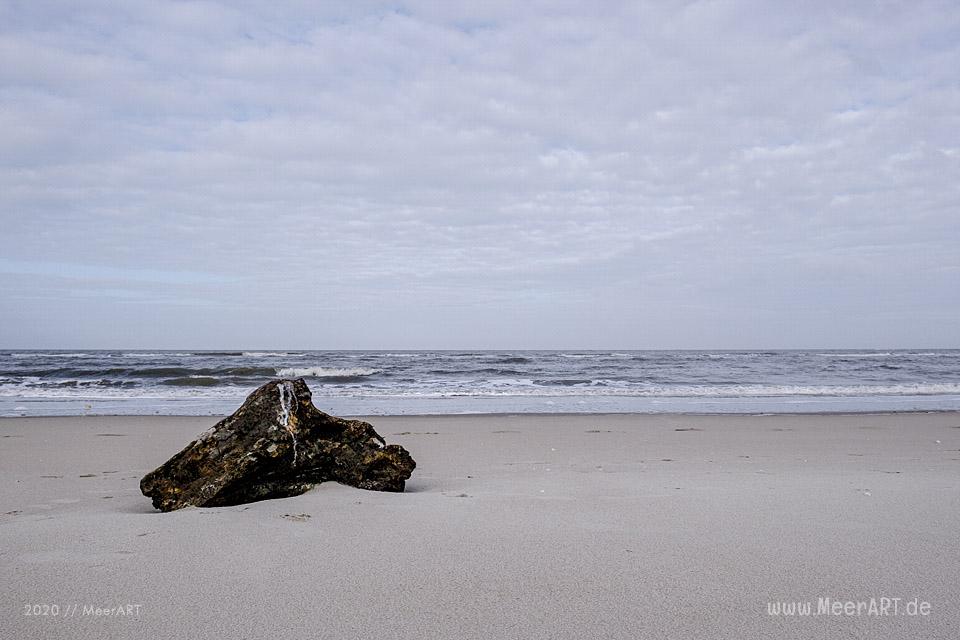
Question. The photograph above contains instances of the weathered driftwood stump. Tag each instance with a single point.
(276, 445)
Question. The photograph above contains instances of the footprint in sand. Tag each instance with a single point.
(299, 517)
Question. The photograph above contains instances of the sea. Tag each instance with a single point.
(72, 383)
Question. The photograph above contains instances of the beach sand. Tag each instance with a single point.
(587, 526)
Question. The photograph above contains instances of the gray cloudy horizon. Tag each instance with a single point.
(479, 175)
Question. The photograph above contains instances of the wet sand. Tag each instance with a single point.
(587, 526)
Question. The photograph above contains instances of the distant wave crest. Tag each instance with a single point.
(272, 354)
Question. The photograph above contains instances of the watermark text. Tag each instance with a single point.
(871, 607)
(80, 610)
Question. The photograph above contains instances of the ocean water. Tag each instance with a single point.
(34, 383)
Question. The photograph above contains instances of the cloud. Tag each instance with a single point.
(544, 175)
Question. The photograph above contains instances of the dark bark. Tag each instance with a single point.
(276, 445)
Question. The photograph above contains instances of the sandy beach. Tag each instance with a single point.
(590, 526)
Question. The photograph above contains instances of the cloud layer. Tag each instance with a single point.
(424, 175)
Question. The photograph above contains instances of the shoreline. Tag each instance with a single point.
(368, 417)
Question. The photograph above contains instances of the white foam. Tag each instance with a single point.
(518, 388)
(894, 354)
(33, 389)
(322, 372)
(855, 355)
(272, 354)
(60, 355)
(114, 393)
(934, 354)
(154, 355)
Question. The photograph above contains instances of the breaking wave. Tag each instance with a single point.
(272, 354)
(321, 372)
(162, 381)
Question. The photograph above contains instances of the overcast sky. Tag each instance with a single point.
(479, 175)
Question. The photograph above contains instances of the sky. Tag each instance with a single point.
(503, 175)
